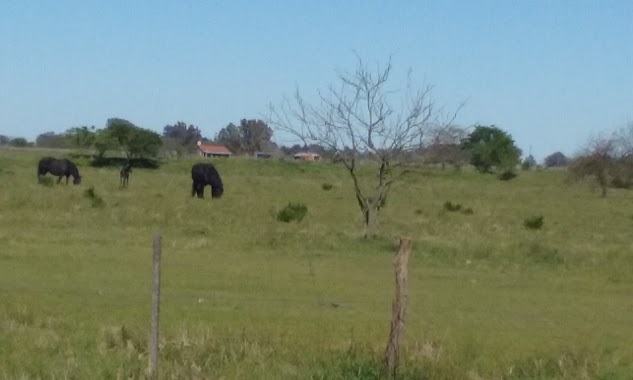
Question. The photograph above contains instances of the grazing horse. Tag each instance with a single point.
(60, 168)
(205, 174)
(125, 174)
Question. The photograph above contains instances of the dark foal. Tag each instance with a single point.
(125, 174)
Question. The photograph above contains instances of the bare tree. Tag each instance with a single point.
(443, 146)
(608, 160)
(598, 163)
(357, 118)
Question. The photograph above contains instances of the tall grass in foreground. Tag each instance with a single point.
(247, 297)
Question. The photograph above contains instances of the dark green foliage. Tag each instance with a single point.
(455, 207)
(249, 137)
(620, 183)
(452, 207)
(533, 222)
(104, 141)
(417, 212)
(326, 186)
(468, 211)
(491, 148)
(507, 175)
(53, 140)
(182, 138)
(82, 137)
(292, 212)
(136, 141)
(19, 142)
(95, 199)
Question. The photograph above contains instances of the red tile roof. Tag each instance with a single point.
(217, 149)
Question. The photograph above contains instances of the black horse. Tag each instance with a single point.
(125, 174)
(58, 167)
(205, 174)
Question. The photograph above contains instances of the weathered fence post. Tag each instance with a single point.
(153, 345)
(399, 308)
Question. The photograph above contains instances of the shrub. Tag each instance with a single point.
(327, 186)
(96, 200)
(507, 175)
(449, 206)
(620, 183)
(468, 211)
(533, 222)
(292, 212)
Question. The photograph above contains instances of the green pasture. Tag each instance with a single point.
(245, 296)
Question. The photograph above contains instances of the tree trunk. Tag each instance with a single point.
(371, 221)
(602, 180)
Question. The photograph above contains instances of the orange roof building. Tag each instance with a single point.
(213, 150)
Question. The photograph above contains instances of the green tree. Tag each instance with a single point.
(135, 141)
(249, 137)
(231, 138)
(104, 142)
(491, 148)
(52, 140)
(82, 137)
(19, 142)
(181, 138)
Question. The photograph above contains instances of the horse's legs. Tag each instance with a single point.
(194, 189)
(59, 179)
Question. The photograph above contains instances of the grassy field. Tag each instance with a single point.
(248, 297)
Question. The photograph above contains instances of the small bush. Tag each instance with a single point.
(450, 206)
(507, 175)
(468, 211)
(292, 212)
(417, 212)
(96, 200)
(620, 183)
(327, 186)
(533, 222)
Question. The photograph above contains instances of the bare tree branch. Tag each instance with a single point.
(356, 119)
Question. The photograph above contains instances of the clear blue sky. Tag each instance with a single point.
(552, 73)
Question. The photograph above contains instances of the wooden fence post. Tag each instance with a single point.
(399, 309)
(153, 345)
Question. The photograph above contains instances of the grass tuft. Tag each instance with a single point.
(452, 207)
(95, 199)
(292, 212)
(533, 222)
